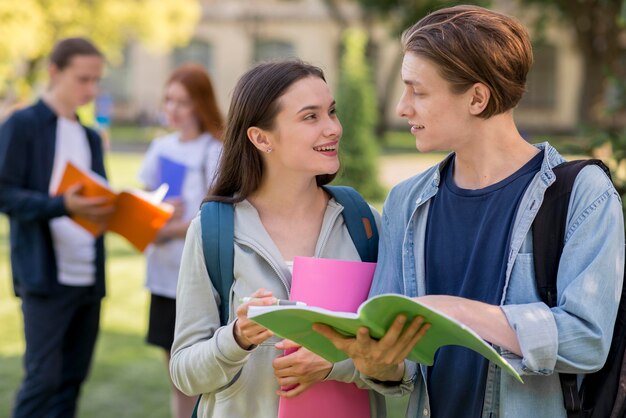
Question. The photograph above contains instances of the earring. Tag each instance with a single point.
(268, 150)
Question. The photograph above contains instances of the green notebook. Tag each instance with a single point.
(377, 314)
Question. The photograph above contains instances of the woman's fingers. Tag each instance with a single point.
(286, 345)
(292, 393)
(258, 338)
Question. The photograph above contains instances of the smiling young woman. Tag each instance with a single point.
(280, 147)
(195, 146)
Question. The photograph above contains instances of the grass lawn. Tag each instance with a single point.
(128, 377)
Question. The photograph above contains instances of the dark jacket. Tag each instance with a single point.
(27, 147)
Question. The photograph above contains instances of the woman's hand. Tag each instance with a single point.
(174, 229)
(248, 333)
(179, 207)
(297, 370)
(383, 359)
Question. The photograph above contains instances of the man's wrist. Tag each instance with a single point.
(392, 374)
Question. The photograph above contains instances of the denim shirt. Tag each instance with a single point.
(572, 337)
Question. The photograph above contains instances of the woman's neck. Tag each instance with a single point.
(292, 213)
(288, 197)
(189, 134)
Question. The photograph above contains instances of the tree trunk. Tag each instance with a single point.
(593, 89)
(597, 32)
(386, 97)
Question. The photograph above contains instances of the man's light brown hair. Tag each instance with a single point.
(470, 44)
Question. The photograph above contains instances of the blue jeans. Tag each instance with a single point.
(60, 333)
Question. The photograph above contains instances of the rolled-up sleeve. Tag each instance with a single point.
(575, 335)
(537, 334)
(400, 388)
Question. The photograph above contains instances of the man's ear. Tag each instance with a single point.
(260, 139)
(53, 71)
(479, 98)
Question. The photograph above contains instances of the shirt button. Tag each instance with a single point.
(425, 412)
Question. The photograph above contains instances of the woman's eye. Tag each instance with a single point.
(310, 116)
(333, 111)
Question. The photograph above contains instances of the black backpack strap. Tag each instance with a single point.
(549, 226)
(359, 220)
(548, 241)
(217, 221)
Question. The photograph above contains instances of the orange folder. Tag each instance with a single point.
(136, 218)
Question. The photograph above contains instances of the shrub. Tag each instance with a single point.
(356, 107)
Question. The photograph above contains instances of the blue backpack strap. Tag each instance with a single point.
(218, 226)
(359, 220)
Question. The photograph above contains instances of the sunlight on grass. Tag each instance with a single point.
(122, 169)
(128, 377)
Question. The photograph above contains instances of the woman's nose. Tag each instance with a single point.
(333, 128)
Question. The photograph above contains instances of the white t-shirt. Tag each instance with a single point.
(73, 246)
(201, 157)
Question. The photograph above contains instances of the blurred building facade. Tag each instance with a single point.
(234, 34)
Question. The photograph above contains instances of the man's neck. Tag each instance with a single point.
(57, 105)
(496, 152)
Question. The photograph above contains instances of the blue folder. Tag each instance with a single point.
(172, 173)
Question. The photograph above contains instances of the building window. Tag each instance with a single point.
(266, 50)
(541, 81)
(117, 80)
(196, 52)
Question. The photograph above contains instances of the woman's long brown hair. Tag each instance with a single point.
(255, 104)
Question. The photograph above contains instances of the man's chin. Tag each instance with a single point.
(85, 101)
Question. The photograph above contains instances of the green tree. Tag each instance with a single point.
(356, 106)
(399, 15)
(403, 13)
(30, 28)
(600, 28)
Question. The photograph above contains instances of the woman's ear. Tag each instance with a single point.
(259, 139)
(479, 98)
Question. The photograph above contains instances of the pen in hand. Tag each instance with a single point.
(279, 302)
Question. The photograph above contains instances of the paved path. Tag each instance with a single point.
(395, 168)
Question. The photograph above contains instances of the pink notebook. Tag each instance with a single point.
(341, 286)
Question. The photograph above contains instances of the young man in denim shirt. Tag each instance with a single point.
(458, 236)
